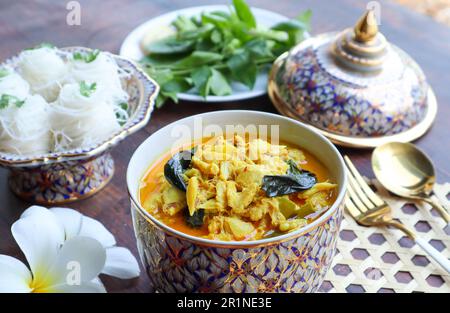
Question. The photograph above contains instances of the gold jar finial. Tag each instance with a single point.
(363, 47)
(366, 28)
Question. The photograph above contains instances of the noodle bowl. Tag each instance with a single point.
(75, 98)
(58, 152)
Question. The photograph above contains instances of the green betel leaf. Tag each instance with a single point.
(271, 34)
(243, 68)
(219, 84)
(170, 45)
(244, 13)
(197, 34)
(216, 36)
(200, 79)
(161, 60)
(162, 98)
(198, 58)
(176, 85)
(221, 22)
(162, 76)
(211, 50)
(170, 88)
(182, 23)
(87, 90)
(294, 29)
(230, 46)
(259, 48)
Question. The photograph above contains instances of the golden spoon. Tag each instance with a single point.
(406, 171)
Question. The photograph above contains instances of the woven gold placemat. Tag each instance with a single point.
(371, 259)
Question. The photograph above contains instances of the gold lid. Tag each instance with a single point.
(362, 48)
(354, 87)
(366, 28)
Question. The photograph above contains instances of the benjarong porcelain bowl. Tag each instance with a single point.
(61, 177)
(177, 262)
(355, 87)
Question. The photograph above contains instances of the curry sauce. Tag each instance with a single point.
(230, 189)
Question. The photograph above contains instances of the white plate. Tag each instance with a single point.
(131, 48)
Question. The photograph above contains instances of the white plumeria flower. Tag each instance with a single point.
(42, 240)
(58, 236)
(120, 262)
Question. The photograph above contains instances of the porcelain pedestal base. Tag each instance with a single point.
(59, 183)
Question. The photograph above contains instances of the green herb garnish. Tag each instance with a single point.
(119, 116)
(210, 51)
(124, 106)
(86, 57)
(86, 89)
(7, 100)
(3, 72)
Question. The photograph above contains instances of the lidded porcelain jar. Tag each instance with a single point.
(355, 87)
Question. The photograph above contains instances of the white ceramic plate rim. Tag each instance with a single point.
(131, 45)
(208, 242)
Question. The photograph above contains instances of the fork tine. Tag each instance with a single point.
(359, 193)
(364, 186)
(351, 208)
(357, 199)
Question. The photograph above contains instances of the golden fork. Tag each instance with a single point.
(368, 209)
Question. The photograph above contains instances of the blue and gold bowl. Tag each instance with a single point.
(62, 177)
(177, 262)
(354, 87)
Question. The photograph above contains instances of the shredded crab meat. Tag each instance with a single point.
(224, 182)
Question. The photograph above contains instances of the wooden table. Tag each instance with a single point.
(104, 24)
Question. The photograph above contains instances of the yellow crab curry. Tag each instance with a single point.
(237, 189)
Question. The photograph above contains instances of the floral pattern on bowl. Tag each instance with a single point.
(295, 265)
(354, 86)
(291, 262)
(309, 90)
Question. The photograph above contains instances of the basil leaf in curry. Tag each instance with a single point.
(175, 167)
(195, 220)
(295, 180)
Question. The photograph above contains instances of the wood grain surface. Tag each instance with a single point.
(104, 25)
